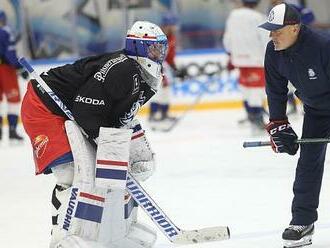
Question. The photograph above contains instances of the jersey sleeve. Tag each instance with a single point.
(276, 88)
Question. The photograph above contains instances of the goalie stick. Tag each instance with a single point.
(159, 218)
(248, 144)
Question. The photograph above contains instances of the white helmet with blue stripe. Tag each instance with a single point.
(147, 44)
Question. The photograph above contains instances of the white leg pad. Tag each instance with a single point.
(113, 226)
(112, 158)
(83, 154)
(82, 204)
(111, 173)
(98, 217)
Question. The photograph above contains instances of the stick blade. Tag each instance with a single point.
(208, 234)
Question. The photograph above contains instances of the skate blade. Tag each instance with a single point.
(307, 240)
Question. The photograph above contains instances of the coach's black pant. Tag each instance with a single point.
(309, 172)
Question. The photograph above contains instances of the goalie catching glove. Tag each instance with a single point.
(142, 159)
(282, 137)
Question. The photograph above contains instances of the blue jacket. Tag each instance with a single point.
(7, 48)
(306, 65)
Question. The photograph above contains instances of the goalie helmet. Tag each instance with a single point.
(147, 44)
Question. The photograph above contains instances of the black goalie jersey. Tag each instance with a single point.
(101, 91)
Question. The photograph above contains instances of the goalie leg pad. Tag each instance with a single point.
(83, 155)
(112, 158)
(81, 205)
(80, 214)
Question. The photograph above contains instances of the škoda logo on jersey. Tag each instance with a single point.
(39, 145)
(88, 100)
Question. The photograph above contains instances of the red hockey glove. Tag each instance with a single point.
(282, 137)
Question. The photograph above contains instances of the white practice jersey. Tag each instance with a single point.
(243, 39)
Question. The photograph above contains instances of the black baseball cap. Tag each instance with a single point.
(280, 16)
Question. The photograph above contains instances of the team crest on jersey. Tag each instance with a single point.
(128, 117)
(311, 74)
(39, 145)
(136, 84)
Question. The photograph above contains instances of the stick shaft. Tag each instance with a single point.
(248, 144)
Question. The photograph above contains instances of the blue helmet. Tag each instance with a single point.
(169, 19)
(3, 16)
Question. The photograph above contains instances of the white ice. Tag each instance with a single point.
(204, 178)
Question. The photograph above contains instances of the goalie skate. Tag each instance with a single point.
(298, 236)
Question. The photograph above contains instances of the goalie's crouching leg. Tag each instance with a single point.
(134, 234)
(88, 216)
(64, 178)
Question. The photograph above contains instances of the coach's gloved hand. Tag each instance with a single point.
(282, 137)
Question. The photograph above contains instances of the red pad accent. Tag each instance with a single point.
(111, 162)
(92, 197)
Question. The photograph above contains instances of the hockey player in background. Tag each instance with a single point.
(160, 104)
(246, 45)
(301, 56)
(106, 90)
(9, 67)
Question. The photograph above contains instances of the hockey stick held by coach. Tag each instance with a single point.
(103, 92)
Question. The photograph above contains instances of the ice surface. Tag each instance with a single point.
(204, 178)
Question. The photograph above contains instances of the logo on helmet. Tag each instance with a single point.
(271, 16)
